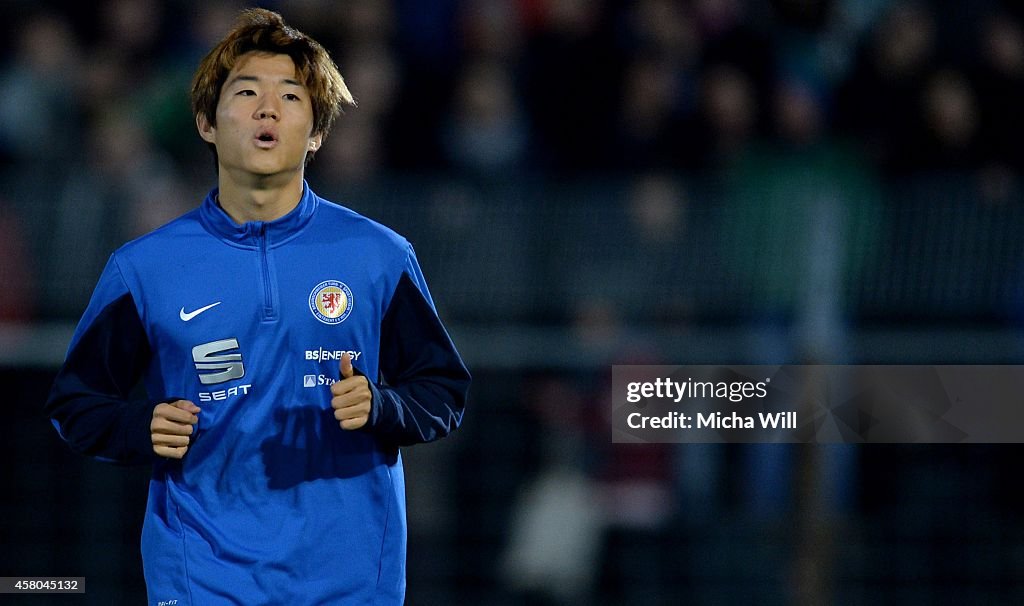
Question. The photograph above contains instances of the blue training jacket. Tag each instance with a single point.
(273, 503)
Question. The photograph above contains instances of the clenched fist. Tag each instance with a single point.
(171, 427)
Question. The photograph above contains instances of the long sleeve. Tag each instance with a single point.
(89, 403)
(425, 382)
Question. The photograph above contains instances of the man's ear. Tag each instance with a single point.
(315, 141)
(206, 130)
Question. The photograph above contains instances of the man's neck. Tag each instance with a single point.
(259, 198)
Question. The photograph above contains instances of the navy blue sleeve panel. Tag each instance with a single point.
(426, 380)
(89, 402)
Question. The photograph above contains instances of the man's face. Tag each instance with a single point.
(264, 118)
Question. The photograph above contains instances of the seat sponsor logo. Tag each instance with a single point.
(331, 301)
(224, 394)
(217, 361)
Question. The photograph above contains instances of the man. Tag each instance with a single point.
(256, 323)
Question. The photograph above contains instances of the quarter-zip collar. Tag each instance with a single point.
(277, 232)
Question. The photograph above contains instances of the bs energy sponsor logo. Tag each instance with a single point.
(326, 355)
(331, 301)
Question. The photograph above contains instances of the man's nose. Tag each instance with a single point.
(267, 109)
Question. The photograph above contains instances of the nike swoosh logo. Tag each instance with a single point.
(188, 316)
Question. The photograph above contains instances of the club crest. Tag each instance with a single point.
(331, 301)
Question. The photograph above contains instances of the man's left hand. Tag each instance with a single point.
(351, 397)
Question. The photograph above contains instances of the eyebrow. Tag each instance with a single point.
(247, 78)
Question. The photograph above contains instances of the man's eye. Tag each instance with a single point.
(291, 97)
(247, 92)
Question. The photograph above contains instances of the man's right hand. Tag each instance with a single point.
(172, 425)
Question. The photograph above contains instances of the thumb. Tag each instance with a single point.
(186, 405)
(346, 366)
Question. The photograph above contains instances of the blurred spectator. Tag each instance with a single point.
(654, 130)
(733, 37)
(803, 39)
(590, 496)
(729, 115)
(879, 103)
(571, 73)
(353, 154)
(557, 523)
(665, 29)
(107, 76)
(38, 83)
(360, 144)
(809, 206)
(657, 208)
(366, 23)
(207, 23)
(133, 30)
(951, 124)
(122, 187)
(805, 205)
(1000, 85)
(626, 257)
(371, 72)
(492, 31)
(486, 133)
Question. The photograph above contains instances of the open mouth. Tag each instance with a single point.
(266, 140)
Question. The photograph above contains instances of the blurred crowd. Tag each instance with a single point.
(491, 86)
(97, 143)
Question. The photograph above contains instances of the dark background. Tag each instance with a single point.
(586, 184)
